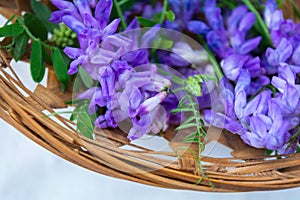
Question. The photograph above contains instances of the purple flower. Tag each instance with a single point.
(218, 43)
(249, 45)
(184, 11)
(149, 104)
(281, 54)
(107, 81)
(233, 40)
(65, 7)
(140, 127)
(232, 65)
(258, 104)
(96, 97)
(241, 92)
(278, 134)
(213, 15)
(106, 120)
(80, 19)
(258, 83)
(271, 6)
(234, 19)
(253, 65)
(198, 27)
(222, 121)
(296, 56)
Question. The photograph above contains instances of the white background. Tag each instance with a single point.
(29, 172)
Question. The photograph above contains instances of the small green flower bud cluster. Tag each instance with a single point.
(194, 83)
(63, 37)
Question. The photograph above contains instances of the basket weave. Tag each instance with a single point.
(247, 170)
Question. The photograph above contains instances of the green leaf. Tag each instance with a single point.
(47, 55)
(92, 117)
(268, 152)
(170, 15)
(77, 85)
(298, 149)
(21, 42)
(193, 137)
(72, 117)
(85, 130)
(156, 43)
(35, 26)
(166, 44)
(43, 13)
(60, 68)
(84, 120)
(84, 117)
(37, 68)
(162, 43)
(189, 119)
(184, 126)
(179, 110)
(11, 30)
(145, 22)
(86, 78)
(73, 101)
(189, 105)
(156, 18)
(182, 101)
(192, 140)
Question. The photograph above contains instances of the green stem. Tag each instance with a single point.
(175, 79)
(122, 2)
(269, 86)
(199, 124)
(201, 133)
(212, 59)
(178, 90)
(32, 36)
(120, 14)
(262, 27)
(162, 17)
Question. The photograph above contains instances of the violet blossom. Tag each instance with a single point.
(125, 91)
(258, 97)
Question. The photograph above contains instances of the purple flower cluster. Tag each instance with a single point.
(225, 42)
(129, 87)
(129, 93)
(184, 10)
(268, 118)
(258, 97)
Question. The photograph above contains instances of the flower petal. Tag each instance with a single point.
(296, 56)
(232, 66)
(250, 45)
(149, 104)
(73, 53)
(198, 27)
(76, 26)
(247, 22)
(102, 12)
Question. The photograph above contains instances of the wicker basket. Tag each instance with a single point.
(247, 170)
